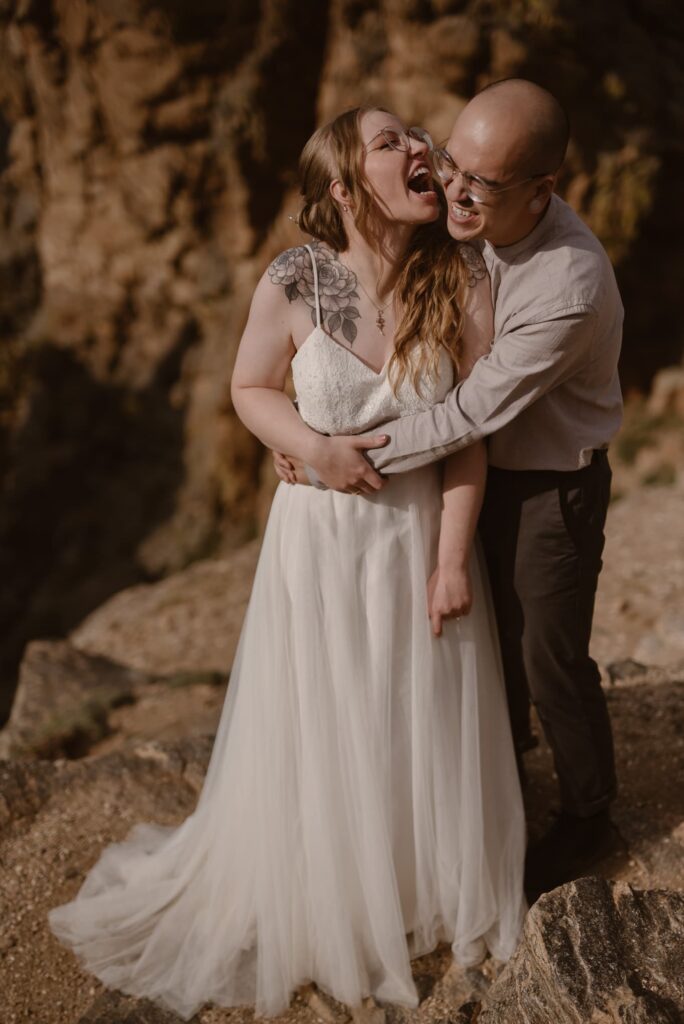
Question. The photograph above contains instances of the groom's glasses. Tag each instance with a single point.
(475, 188)
(400, 139)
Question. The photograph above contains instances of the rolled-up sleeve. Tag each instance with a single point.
(525, 362)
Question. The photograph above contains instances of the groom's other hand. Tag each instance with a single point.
(340, 463)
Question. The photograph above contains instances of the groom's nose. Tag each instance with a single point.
(455, 190)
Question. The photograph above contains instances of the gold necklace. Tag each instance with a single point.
(379, 320)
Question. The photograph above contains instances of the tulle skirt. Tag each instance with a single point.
(362, 801)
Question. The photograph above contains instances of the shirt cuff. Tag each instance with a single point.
(314, 479)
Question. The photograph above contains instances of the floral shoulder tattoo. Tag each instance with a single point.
(474, 263)
(336, 286)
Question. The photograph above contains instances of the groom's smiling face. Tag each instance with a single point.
(499, 150)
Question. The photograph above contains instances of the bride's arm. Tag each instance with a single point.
(465, 474)
(257, 390)
(449, 587)
(263, 359)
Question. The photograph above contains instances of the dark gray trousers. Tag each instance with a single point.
(542, 533)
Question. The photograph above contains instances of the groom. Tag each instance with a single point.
(548, 399)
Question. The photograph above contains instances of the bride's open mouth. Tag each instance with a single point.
(420, 182)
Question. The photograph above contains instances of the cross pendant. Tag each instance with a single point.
(380, 322)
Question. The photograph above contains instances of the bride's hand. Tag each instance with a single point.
(290, 469)
(449, 594)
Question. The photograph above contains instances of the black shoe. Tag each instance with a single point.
(570, 847)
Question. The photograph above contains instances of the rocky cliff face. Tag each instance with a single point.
(147, 167)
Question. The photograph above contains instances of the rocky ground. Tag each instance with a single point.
(138, 688)
(148, 154)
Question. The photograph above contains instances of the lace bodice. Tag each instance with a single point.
(338, 393)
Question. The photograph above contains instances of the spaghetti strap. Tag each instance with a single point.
(316, 296)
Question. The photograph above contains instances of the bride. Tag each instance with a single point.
(362, 801)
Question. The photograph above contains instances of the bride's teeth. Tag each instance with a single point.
(426, 187)
(459, 212)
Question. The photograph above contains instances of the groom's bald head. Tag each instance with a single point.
(512, 137)
(524, 117)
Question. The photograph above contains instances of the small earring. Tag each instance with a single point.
(346, 209)
(535, 206)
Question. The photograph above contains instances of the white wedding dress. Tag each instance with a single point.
(362, 801)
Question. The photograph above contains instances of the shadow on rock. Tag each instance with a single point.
(96, 467)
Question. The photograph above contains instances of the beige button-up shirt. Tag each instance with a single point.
(548, 393)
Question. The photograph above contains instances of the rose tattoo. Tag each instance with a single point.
(474, 263)
(336, 287)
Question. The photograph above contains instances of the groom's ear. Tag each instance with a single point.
(542, 193)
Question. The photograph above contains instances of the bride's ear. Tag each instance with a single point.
(340, 194)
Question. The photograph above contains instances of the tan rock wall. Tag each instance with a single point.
(147, 167)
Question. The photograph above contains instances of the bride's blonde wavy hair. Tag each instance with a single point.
(432, 285)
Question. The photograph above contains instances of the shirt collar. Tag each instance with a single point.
(508, 253)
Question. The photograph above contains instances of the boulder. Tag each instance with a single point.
(189, 622)
(641, 588)
(62, 700)
(595, 952)
(71, 702)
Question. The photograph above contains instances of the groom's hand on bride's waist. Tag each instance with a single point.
(338, 463)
